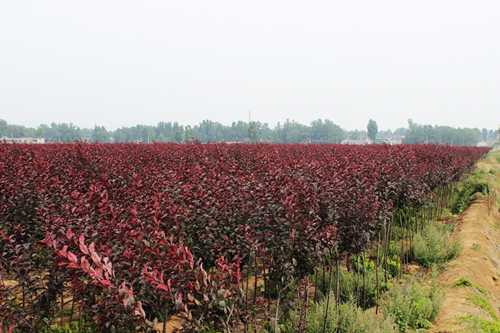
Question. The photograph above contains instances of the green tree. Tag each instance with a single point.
(326, 131)
(178, 132)
(372, 129)
(441, 134)
(100, 134)
(252, 132)
(3, 128)
(188, 134)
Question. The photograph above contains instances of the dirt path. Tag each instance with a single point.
(472, 282)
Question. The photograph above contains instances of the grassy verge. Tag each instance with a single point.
(489, 323)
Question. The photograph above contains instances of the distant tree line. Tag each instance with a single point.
(206, 131)
(289, 131)
(447, 135)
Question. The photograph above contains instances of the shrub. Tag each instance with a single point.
(347, 318)
(462, 198)
(446, 215)
(433, 246)
(393, 266)
(362, 264)
(412, 305)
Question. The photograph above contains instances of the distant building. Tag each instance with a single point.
(356, 142)
(395, 141)
(22, 140)
(234, 142)
(489, 143)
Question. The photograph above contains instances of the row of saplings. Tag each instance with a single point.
(362, 299)
(370, 293)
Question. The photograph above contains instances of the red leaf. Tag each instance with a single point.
(81, 244)
(72, 257)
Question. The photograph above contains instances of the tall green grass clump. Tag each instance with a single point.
(326, 317)
(433, 246)
(411, 305)
(358, 286)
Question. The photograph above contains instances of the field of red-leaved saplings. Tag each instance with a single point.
(221, 238)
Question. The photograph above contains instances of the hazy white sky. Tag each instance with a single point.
(122, 62)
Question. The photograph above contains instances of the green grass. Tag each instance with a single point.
(475, 323)
(412, 305)
(353, 287)
(479, 325)
(485, 305)
(73, 327)
(432, 246)
(476, 247)
(360, 284)
(347, 318)
(465, 282)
